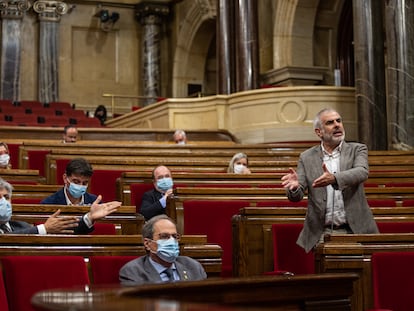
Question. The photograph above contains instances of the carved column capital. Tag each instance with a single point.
(151, 13)
(50, 11)
(14, 9)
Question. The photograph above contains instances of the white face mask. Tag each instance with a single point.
(238, 168)
(4, 159)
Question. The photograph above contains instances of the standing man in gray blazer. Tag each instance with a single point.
(333, 174)
(162, 262)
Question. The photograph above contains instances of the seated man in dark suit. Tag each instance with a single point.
(76, 179)
(162, 262)
(54, 224)
(154, 201)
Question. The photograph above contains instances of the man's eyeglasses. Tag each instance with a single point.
(166, 236)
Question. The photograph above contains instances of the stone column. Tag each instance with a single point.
(399, 17)
(12, 13)
(48, 73)
(247, 45)
(370, 74)
(225, 47)
(150, 15)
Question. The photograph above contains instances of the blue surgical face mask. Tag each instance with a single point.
(168, 250)
(165, 183)
(5, 210)
(77, 190)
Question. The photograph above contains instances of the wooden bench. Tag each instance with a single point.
(209, 255)
(126, 219)
(311, 292)
(126, 179)
(115, 134)
(26, 193)
(252, 236)
(352, 253)
(22, 176)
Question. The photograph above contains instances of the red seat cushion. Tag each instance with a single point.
(26, 275)
(393, 280)
(213, 218)
(105, 269)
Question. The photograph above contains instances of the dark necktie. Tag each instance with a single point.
(5, 228)
(169, 272)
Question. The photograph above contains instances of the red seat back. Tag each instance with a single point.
(287, 255)
(103, 228)
(395, 227)
(105, 269)
(393, 280)
(213, 218)
(104, 182)
(3, 297)
(37, 160)
(60, 170)
(26, 275)
(137, 191)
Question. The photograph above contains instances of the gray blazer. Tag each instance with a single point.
(141, 271)
(354, 171)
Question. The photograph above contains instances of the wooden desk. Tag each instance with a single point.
(126, 217)
(352, 253)
(311, 292)
(252, 235)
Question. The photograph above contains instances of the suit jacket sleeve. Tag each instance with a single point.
(21, 227)
(150, 205)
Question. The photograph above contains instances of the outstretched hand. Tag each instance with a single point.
(100, 210)
(60, 224)
(325, 179)
(290, 180)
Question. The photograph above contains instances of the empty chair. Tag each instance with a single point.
(213, 218)
(105, 269)
(26, 275)
(393, 280)
(287, 255)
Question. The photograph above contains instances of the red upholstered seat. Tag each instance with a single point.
(105, 269)
(213, 218)
(137, 191)
(37, 160)
(409, 203)
(14, 154)
(104, 228)
(26, 275)
(395, 227)
(60, 170)
(393, 280)
(382, 203)
(287, 255)
(104, 182)
(4, 306)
